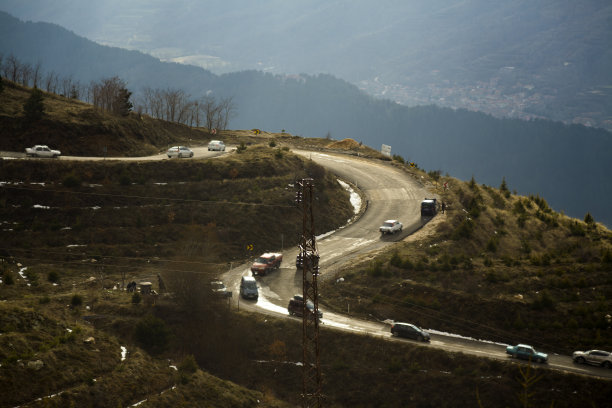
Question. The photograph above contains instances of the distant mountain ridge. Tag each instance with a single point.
(522, 58)
(567, 165)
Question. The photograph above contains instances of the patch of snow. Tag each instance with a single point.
(96, 207)
(354, 197)
(123, 353)
(40, 184)
(75, 245)
(43, 207)
(173, 367)
(22, 274)
(432, 331)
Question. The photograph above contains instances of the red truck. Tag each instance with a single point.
(266, 262)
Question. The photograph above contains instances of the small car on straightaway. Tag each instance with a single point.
(179, 151)
(42, 151)
(410, 331)
(594, 357)
(526, 352)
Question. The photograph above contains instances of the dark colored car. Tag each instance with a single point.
(429, 207)
(296, 305)
(410, 331)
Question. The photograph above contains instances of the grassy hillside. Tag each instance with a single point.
(496, 266)
(77, 128)
(73, 232)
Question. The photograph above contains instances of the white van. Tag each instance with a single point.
(216, 145)
(248, 288)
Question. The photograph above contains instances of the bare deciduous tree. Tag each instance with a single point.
(11, 68)
(51, 80)
(111, 95)
(25, 73)
(36, 75)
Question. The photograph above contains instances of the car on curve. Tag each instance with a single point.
(217, 145)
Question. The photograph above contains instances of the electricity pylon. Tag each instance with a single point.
(311, 370)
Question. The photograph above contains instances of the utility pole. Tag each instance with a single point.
(311, 369)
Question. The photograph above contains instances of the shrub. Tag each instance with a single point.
(136, 298)
(7, 278)
(544, 301)
(241, 148)
(396, 260)
(398, 158)
(272, 143)
(153, 334)
(34, 108)
(541, 203)
(71, 181)
(463, 230)
(576, 229)
(434, 174)
(504, 188)
(588, 218)
(53, 277)
(188, 365)
(472, 184)
(76, 300)
(492, 245)
(525, 246)
(125, 179)
(278, 154)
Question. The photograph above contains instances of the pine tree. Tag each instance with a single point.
(124, 106)
(34, 107)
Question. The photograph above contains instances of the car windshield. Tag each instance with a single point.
(261, 260)
(388, 224)
(250, 285)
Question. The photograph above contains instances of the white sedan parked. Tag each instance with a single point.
(179, 151)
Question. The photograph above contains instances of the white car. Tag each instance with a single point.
(219, 289)
(391, 227)
(216, 145)
(42, 151)
(595, 357)
(179, 151)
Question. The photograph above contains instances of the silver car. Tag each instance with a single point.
(595, 357)
(179, 151)
(217, 145)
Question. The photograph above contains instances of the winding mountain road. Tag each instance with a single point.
(388, 193)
